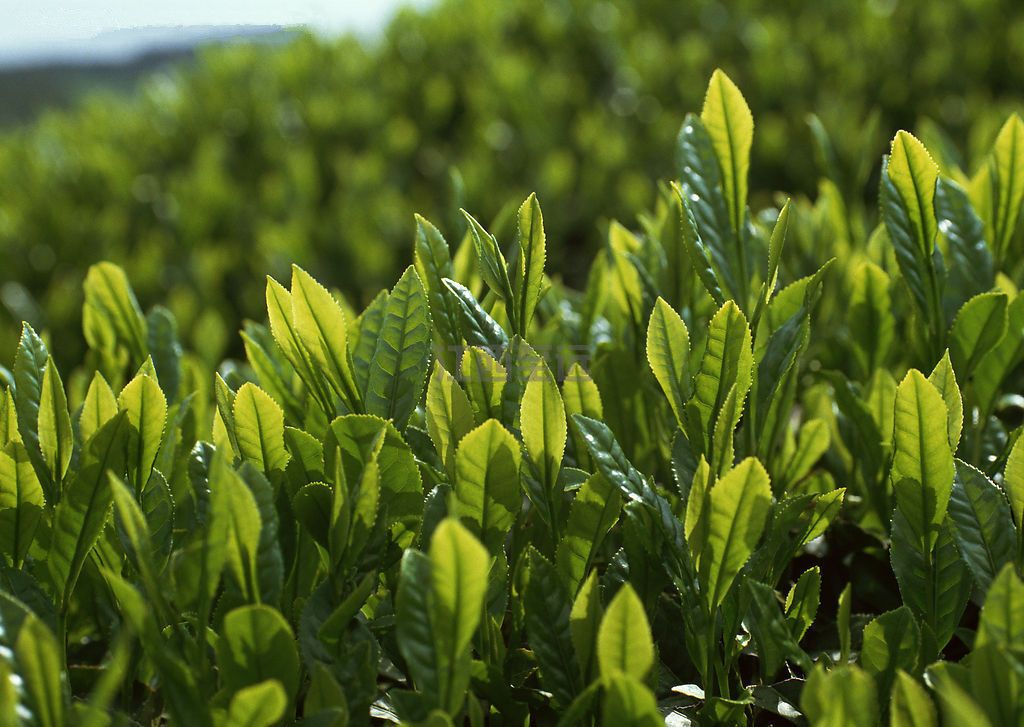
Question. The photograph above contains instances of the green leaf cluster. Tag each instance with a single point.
(707, 487)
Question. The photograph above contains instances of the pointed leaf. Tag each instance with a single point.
(233, 498)
(398, 369)
(624, 641)
(21, 502)
(985, 533)
(449, 414)
(259, 426)
(728, 360)
(943, 378)
(108, 292)
(1006, 169)
(739, 507)
(146, 407)
(100, 407)
(29, 365)
(487, 495)
(915, 175)
(731, 127)
(872, 324)
(922, 467)
(1013, 483)
(668, 353)
(977, 329)
(323, 330)
(54, 423)
(528, 280)
(544, 430)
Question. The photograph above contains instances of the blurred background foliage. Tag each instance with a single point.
(319, 151)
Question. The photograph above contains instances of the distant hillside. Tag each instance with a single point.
(57, 77)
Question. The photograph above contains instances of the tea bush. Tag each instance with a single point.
(758, 468)
(320, 152)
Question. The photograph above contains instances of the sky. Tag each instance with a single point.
(34, 26)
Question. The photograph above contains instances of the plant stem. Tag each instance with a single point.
(62, 638)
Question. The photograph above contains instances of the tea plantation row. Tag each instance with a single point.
(758, 468)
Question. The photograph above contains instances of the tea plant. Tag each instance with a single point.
(710, 487)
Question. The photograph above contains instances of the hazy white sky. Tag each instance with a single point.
(31, 23)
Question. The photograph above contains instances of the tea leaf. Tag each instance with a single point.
(487, 482)
(54, 423)
(146, 407)
(668, 353)
(738, 509)
(731, 128)
(257, 644)
(259, 427)
(624, 640)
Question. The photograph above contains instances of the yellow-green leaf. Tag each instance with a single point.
(82, 512)
(280, 313)
(487, 493)
(146, 406)
(1006, 172)
(259, 428)
(943, 378)
(321, 326)
(730, 125)
(1013, 482)
(911, 706)
(8, 419)
(100, 407)
(542, 417)
(844, 696)
(738, 509)
(233, 499)
(624, 640)
(439, 606)
(581, 396)
(449, 414)
(109, 294)
(21, 502)
(922, 467)
(585, 622)
(484, 379)
(55, 438)
(668, 354)
(493, 267)
(528, 280)
(728, 360)
(459, 565)
(914, 174)
(872, 324)
(256, 643)
(260, 705)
